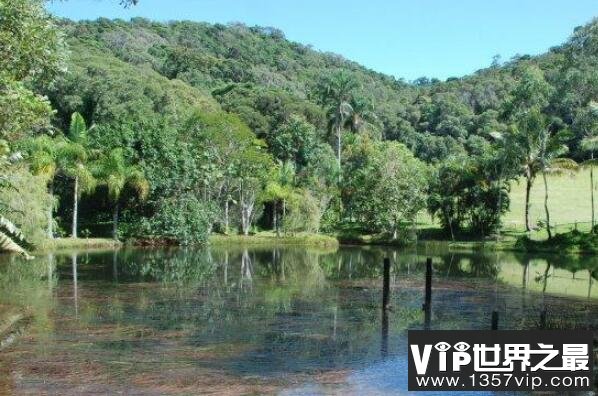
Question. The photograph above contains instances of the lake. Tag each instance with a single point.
(265, 320)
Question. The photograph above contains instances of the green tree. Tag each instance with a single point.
(388, 186)
(279, 190)
(362, 115)
(117, 174)
(336, 92)
(588, 121)
(32, 51)
(294, 141)
(464, 192)
(43, 159)
(539, 142)
(552, 165)
(531, 128)
(74, 161)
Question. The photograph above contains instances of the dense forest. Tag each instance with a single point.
(172, 131)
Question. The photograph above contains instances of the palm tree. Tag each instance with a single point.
(73, 160)
(362, 114)
(535, 146)
(278, 190)
(505, 169)
(587, 121)
(117, 174)
(43, 160)
(337, 92)
(590, 144)
(555, 166)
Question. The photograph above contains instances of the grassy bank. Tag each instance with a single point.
(270, 238)
(575, 242)
(77, 243)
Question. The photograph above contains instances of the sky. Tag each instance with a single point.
(407, 39)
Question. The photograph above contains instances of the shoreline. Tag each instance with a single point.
(324, 240)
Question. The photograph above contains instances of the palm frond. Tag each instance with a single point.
(12, 239)
(589, 143)
(77, 128)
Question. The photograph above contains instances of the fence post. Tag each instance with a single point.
(494, 320)
(385, 306)
(543, 319)
(386, 285)
(428, 295)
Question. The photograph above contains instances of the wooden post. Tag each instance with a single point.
(384, 339)
(494, 320)
(543, 319)
(428, 295)
(385, 306)
(386, 285)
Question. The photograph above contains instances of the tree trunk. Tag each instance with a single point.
(226, 216)
(449, 221)
(75, 208)
(247, 204)
(546, 205)
(499, 207)
(528, 187)
(592, 189)
(275, 218)
(338, 150)
(50, 231)
(284, 213)
(115, 222)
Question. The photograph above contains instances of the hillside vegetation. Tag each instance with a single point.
(171, 131)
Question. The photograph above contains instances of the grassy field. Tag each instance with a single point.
(568, 202)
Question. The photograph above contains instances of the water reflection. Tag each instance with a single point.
(284, 315)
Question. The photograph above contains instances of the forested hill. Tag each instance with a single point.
(259, 75)
(172, 130)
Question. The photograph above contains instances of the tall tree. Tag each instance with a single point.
(117, 174)
(538, 141)
(556, 166)
(44, 154)
(74, 162)
(336, 92)
(531, 132)
(362, 115)
(588, 121)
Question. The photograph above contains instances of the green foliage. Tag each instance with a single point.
(387, 186)
(116, 174)
(32, 52)
(185, 219)
(196, 117)
(295, 141)
(22, 112)
(303, 213)
(25, 202)
(31, 46)
(463, 196)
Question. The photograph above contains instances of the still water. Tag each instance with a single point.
(234, 320)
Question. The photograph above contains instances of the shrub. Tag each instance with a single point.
(185, 219)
